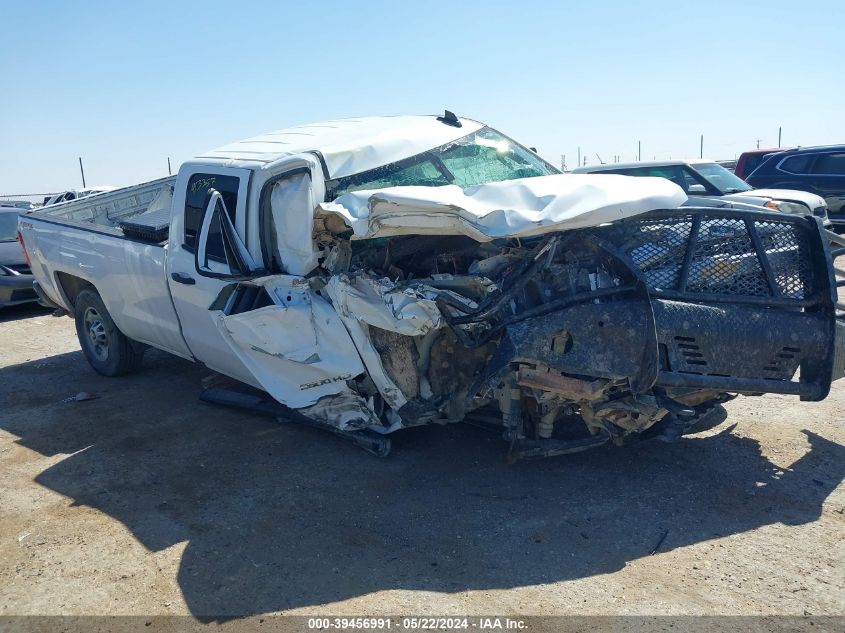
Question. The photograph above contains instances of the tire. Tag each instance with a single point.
(107, 349)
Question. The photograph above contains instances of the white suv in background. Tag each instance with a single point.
(705, 181)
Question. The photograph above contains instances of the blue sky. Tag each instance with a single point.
(127, 84)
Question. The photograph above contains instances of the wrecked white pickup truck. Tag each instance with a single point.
(380, 273)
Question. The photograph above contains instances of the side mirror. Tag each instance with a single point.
(220, 252)
(697, 189)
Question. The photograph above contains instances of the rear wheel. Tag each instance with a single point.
(107, 349)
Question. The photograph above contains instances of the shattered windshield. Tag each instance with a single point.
(721, 178)
(478, 158)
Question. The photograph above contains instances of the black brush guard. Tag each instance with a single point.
(740, 300)
(733, 301)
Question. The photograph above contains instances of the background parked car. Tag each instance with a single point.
(75, 194)
(819, 170)
(15, 277)
(704, 180)
(20, 205)
(750, 160)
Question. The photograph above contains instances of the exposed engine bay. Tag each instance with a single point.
(569, 340)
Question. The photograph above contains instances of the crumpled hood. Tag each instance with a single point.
(512, 208)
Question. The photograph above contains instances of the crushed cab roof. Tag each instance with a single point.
(347, 146)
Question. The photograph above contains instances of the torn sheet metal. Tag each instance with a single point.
(362, 302)
(512, 208)
(297, 349)
(346, 411)
(379, 303)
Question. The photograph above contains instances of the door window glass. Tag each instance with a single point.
(797, 164)
(721, 179)
(752, 161)
(689, 181)
(670, 172)
(830, 164)
(197, 199)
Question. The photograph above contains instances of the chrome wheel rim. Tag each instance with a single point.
(97, 338)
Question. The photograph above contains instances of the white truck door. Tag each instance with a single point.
(194, 291)
(289, 337)
(273, 331)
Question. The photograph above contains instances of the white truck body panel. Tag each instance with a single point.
(108, 208)
(128, 275)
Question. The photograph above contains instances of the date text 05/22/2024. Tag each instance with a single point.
(481, 624)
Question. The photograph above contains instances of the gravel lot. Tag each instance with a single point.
(147, 501)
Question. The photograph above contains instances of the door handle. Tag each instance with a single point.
(183, 278)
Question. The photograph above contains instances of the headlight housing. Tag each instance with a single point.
(795, 208)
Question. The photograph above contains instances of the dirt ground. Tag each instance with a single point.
(147, 501)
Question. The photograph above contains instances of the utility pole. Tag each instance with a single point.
(82, 171)
(779, 131)
(758, 143)
(639, 151)
(169, 173)
(579, 158)
(701, 148)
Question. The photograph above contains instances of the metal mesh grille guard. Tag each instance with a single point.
(752, 297)
(728, 256)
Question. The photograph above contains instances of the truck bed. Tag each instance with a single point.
(115, 242)
(140, 212)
